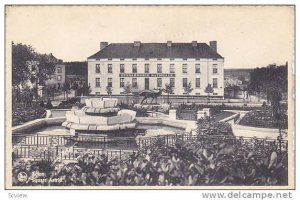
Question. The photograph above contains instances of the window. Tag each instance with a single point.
(97, 82)
(122, 68)
(97, 93)
(122, 81)
(159, 68)
(97, 68)
(197, 82)
(172, 68)
(172, 82)
(184, 68)
(159, 82)
(59, 70)
(215, 83)
(109, 68)
(134, 82)
(184, 82)
(215, 68)
(109, 82)
(146, 68)
(134, 68)
(59, 77)
(197, 68)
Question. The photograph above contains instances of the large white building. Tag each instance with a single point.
(152, 65)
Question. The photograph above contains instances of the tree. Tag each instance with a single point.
(45, 67)
(232, 90)
(263, 78)
(209, 90)
(66, 89)
(109, 90)
(188, 89)
(127, 90)
(27, 95)
(75, 87)
(22, 55)
(85, 90)
(169, 89)
(274, 95)
(49, 91)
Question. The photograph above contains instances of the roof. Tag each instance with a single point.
(156, 50)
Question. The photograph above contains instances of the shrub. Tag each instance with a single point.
(212, 127)
(22, 113)
(263, 118)
(186, 163)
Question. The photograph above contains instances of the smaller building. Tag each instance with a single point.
(59, 76)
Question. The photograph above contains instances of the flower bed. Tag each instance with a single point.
(185, 164)
(212, 127)
(263, 118)
(22, 113)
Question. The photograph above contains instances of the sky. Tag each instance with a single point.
(247, 36)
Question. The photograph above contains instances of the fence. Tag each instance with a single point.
(66, 153)
(69, 147)
(256, 145)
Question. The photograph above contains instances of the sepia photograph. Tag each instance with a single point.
(149, 97)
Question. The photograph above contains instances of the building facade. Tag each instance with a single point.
(59, 76)
(152, 65)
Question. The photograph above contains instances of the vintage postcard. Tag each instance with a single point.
(150, 97)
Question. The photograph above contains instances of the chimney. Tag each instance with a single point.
(137, 43)
(194, 43)
(169, 43)
(213, 45)
(103, 45)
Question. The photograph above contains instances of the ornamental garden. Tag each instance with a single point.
(106, 140)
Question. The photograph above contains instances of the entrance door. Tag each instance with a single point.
(146, 83)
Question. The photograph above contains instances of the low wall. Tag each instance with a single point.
(188, 126)
(268, 130)
(36, 124)
(232, 117)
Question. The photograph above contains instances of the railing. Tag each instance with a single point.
(258, 145)
(64, 153)
(69, 147)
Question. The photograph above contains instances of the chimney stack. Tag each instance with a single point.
(137, 43)
(103, 45)
(194, 43)
(213, 45)
(169, 43)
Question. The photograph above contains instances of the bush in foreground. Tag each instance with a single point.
(186, 164)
